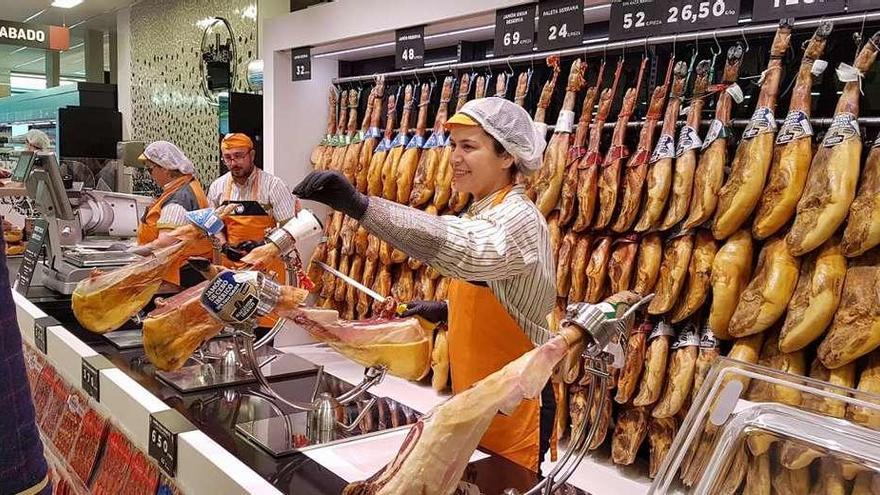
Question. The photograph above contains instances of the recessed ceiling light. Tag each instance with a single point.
(66, 4)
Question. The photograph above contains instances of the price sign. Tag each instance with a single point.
(643, 18)
(514, 30)
(163, 431)
(410, 52)
(771, 10)
(40, 329)
(301, 63)
(90, 378)
(31, 256)
(858, 5)
(560, 24)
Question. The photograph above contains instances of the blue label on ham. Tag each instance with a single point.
(796, 126)
(688, 139)
(762, 122)
(843, 128)
(665, 148)
(416, 142)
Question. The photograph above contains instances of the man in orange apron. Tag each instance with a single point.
(498, 255)
(265, 201)
(181, 192)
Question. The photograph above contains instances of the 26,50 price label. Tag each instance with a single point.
(641, 18)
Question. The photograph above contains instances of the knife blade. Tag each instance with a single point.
(352, 282)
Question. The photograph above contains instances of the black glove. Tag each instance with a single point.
(335, 191)
(236, 253)
(433, 311)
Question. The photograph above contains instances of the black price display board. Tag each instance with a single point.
(301, 63)
(410, 51)
(162, 436)
(860, 5)
(31, 256)
(644, 18)
(41, 328)
(560, 24)
(772, 10)
(514, 30)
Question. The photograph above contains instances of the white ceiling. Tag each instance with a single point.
(91, 14)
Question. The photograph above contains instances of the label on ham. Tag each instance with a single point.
(717, 129)
(762, 122)
(416, 142)
(399, 140)
(689, 336)
(796, 126)
(660, 329)
(373, 132)
(818, 67)
(735, 92)
(232, 296)
(708, 339)
(436, 139)
(665, 148)
(688, 139)
(565, 121)
(205, 219)
(358, 137)
(326, 139)
(843, 128)
(384, 145)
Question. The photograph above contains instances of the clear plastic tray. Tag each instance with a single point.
(753, 429)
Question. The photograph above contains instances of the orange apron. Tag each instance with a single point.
(148, 229)
(240, 228)
(479, 323)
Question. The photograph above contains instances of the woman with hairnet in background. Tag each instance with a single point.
(181, 192)
(498, 253)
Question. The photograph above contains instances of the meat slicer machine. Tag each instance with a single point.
(73, 214)
(323, 418)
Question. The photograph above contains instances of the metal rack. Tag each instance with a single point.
(600, 46)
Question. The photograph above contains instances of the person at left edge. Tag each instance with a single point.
(181, 192)
(246, 183)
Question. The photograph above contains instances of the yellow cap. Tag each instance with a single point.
(460, 119)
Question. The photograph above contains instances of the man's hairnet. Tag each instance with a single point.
(236, 140)
(511, 126)
(38, 139)
(168, 156)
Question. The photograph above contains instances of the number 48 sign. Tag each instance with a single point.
(410, 50)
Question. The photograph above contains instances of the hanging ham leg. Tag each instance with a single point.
(588, 166)
(636, 169)
(392, 159)
(660, 168)
(686, 152)
(739, 195)
(568, 199)
(443, 188)
(340, 141)
(547, 185)
(609, 178)
(425, 179)
(831, 183)
(541, 113)
(350, 154)
(794, 149)
(371, 136)
(317, 156)
(406, 168)
(377, 161)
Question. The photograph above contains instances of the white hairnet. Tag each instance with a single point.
(38, 139)
(168, 156)
(512, 126)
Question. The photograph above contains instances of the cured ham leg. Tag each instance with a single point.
(609, 178)
(831, 183)
(588, 166)
(636, 169)
(425, 179)
(568, 199)
(863, 224)
(317, 156)
(739, 195)
(459, 200)
(686, 152)
(377, 161)
(406, 169)
(443, 184)
(660, 168)
(541, 113)
(548, 182)
(352, 149)
(794, 148)
(371, 135)
(709, 176)
(339, 142)
(392, 159)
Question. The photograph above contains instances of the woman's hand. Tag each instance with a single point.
(335, 191)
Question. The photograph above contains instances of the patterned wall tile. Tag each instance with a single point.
(167, 100)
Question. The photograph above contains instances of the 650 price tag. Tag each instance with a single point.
(164, 428)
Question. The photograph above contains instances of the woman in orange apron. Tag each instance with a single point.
(498, 255)
(181, 192)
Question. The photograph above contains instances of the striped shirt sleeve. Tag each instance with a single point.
(172, 215)
(282, 200)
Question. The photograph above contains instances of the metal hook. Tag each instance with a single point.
(717, 44)
(645, 47)
(509, 66)
(416, 75)
(742, 33)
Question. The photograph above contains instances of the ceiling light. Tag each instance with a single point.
(66, 4)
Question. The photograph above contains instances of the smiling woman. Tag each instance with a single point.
(497, 253)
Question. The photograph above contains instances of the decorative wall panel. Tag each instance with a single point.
(167, 99)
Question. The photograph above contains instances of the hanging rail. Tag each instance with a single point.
(596, 47)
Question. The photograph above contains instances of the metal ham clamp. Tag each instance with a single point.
(605, 337)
